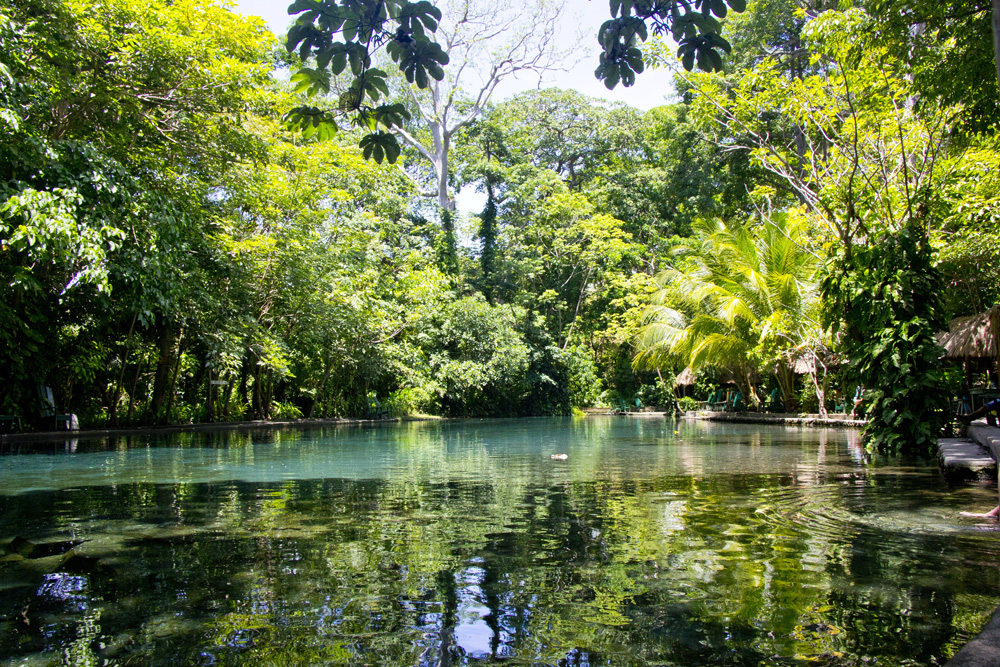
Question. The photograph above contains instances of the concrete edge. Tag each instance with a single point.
(983, 650)
(965, 459)
(786, 419)
(987, 437)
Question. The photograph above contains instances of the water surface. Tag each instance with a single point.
(651, 543)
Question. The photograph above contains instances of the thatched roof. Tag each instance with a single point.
(805, 365)
(972, 336)
(686, 378)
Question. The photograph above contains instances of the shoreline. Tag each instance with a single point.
(773, 419)
(259, 424)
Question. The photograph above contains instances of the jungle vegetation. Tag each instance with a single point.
(202, 221)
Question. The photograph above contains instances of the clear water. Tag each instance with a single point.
(651, 543)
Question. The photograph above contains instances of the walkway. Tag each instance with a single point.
(975, 456)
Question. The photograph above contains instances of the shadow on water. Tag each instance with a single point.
(652, 543)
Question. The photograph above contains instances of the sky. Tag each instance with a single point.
(585, 16)
(649, 90)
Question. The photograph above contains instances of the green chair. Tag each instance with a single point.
(774, 402)
(47, 410)
(704, 405)
(376, 410)
(638, 404)
(10, 424)
(721, 400)
(738, 405)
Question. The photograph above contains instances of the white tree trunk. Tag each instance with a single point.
(487, 44)
(996, 36)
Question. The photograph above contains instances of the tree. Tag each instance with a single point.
(872, 173)
(698, 34)
(118, 117)
(486, 44)
(952, 50)
(739, 298)
(403, 28)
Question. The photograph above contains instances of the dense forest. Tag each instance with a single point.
(201, 221)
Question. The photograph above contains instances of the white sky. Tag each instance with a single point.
(650, 89)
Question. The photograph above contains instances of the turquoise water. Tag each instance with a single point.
(643, 542)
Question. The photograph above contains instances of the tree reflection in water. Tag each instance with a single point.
(454, 544)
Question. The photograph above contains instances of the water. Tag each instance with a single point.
(462, 543)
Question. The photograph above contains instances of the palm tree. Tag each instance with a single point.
(740, 298)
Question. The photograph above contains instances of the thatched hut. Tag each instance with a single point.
(683, 381)
(973, 336)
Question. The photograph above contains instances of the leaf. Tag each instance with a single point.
(379, 146)
(716, 60)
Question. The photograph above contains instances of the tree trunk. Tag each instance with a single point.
(258, 395)
(786, 382)
(131, 394)
(210, 405)
(173, 380)
(225, 403)
(161, 382)
(996, 37)
(319, 388)
(117, 394)
(244, 376)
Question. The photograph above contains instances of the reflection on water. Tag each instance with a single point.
(652, 543)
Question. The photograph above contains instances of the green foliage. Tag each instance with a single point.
(694, 26)
(488, 360)
(885, 298)
(488, 259)
(950, 54)
(740, 298)
(584, 383)
(404, 28)
(447, 245)
(687, 403)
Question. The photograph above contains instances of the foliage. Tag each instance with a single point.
(487, 360)
(950, 52)
(741, 298)
(687, 403)
(885, 297)
(694, 26)
(584, 383)
(404, 28)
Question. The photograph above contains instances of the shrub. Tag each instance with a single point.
(688, 403)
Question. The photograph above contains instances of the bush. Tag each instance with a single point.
(886, 299)
(281, 410)
(584, 385)
(413, 400)
(688, 403)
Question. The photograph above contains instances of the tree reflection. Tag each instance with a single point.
(711, 552)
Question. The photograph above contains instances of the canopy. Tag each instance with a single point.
(972, 336)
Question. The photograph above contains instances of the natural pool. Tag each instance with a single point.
(444, 543)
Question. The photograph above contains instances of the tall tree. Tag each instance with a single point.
(485, 44)
(743, 299)
(120, 117)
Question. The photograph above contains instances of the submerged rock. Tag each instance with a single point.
(165, 626)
